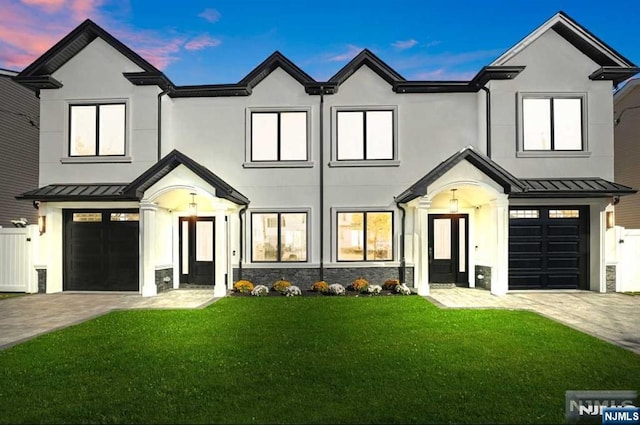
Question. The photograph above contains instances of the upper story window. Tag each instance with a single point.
(365, 236)
(365, 136)
(97, 130)
(552, 123)
(277, 138)
(278, 236)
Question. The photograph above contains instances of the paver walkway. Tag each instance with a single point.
(611, 317)
(22, 318)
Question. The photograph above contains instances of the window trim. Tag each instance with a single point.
(250, 163)
(67, 158)
(335, 162)
(279, 213)
(365, 211)
(522, 153)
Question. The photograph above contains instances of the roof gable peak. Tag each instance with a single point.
(275, 60)
(368, 58)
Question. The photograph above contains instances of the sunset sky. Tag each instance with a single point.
(211, 42)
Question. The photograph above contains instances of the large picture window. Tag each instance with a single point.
(552, 123)
(97, 130)
(365, 135)
(279, 136)
(279, 236)
(365, 236)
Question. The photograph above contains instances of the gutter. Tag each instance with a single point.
(403, 264)
(241, 248)
(488, 117)
(162, 93)
(321, 160)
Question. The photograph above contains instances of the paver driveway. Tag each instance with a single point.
(611, 317)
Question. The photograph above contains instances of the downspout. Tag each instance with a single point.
(162, 93)
(321, 160)
(240, 214)
(402, 269)
(488, 115)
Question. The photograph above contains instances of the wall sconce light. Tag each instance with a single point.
(42, 224)
(193, 207)
(611, 220)
(453, 202)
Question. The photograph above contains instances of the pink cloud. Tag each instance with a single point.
(210, 15)
(202, 42)
(49, 5)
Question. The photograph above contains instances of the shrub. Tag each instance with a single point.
(403, 289)
(281, 285)
(359, 284)
(374, 289)
(336, 289)
(243, 286)
(292, 291)
(391, 284)
(320, 286)
(260, 291)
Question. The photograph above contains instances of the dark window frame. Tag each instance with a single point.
(97, 105)
(279, 138)
(364, 235)
(364, 134)
(551, 118)
(279, 215)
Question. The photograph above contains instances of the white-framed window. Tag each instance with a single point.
(279, 236)
(97, 130)
(278, 137)
(552, 123)
(365, 136)
(364, 235)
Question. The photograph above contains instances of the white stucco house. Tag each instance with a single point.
(501, 182)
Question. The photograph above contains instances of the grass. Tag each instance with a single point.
(309, 360)
(5, 295)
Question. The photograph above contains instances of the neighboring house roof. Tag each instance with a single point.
(514, 187)
(613, 66)
(135, 190)
(38, 75)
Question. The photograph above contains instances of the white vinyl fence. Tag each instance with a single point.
(17, 273)
(628, 267)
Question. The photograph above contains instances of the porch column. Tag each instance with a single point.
(221, 269)
(147, 243)
(423, 255)
(500, 273)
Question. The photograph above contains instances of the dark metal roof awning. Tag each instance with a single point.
(78, 192)
(589, 187)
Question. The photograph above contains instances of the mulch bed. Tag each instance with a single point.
(308, 293)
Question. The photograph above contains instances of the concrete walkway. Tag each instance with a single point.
(22, 318)
(611, 317)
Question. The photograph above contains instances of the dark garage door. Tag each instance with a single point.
(101, 250)
(548, 247)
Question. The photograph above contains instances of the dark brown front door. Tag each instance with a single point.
(197, 236)
(448, 247)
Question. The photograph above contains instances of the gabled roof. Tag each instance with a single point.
(169, 163)
(613, 65)
(625, 90)
(276, 60)
(38, 74)
(366, 57)
(498, 174)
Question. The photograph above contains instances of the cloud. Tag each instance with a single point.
(443, 74)
(202, 42)
(404, 45)
(210, 15)
(352, 51)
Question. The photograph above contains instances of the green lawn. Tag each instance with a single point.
(309, 360)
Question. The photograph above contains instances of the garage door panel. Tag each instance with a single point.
(556, 247)
(563, 263)
(572, 230)
(525, 263)
(526, 231)
(525, 247)
(563, 281)
(525, 281)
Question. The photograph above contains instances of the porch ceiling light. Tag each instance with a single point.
(453, 202)
(193, 207)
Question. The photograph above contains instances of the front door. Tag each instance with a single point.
(448, 247)
(197, 239)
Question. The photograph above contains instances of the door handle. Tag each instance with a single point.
(430, 255)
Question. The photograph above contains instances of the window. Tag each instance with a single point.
(87, 217)
(365, 236)
(564, 213)
(279, 136)
(365, 135)
(279, 237)
(97, 130)
(125, 217)
(552, 123)
(524, 214)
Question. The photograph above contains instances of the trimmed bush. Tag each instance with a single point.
(403, 289)
(260, 291)
(243, 286)
(374, 289)
(320, 286)
(336, 289)
(292, 291)
(359, 284)
(281, 285)
(391, 284)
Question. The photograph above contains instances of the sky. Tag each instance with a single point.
(220, 41)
